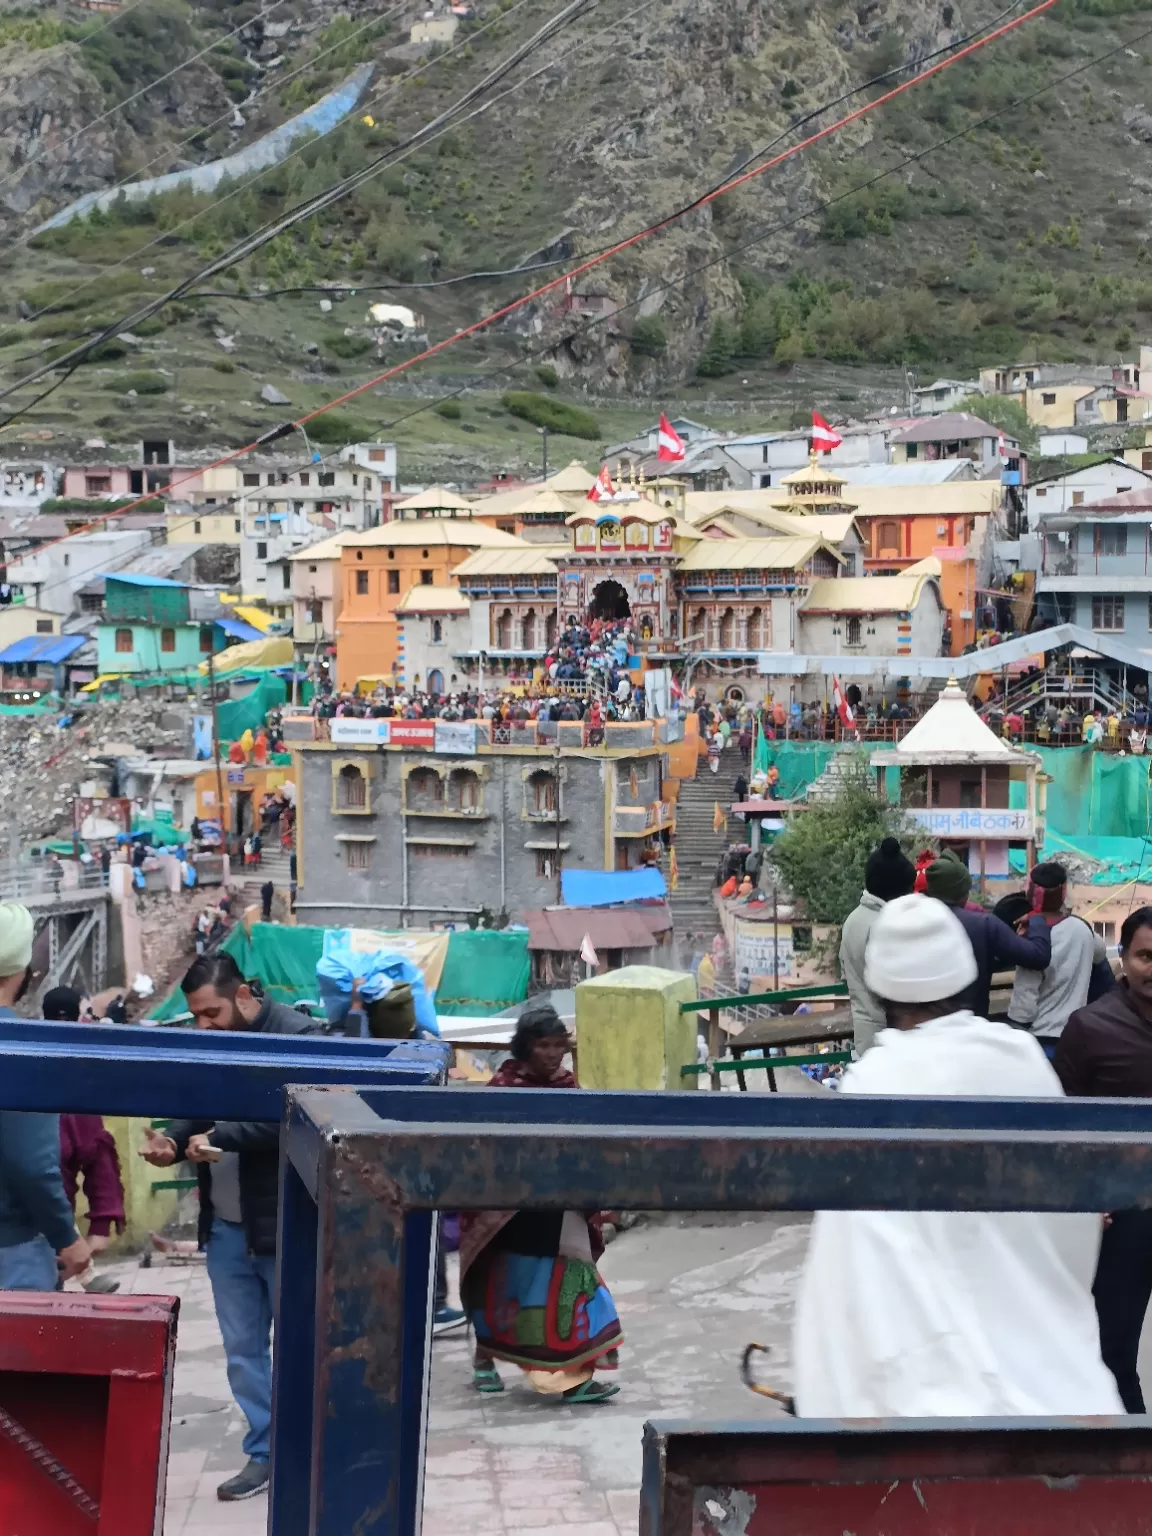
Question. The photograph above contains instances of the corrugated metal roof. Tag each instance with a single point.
(525, 561)
(919, 472)
(565, 928)
(948, 426)
(865, 594)
(141, 579)
(239, 630)
(957, 498)
(753, 554)
(46, 648)
(435, 499)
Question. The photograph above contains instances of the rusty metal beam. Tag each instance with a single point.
(380, 1161)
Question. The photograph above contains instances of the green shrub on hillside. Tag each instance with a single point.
(649, 336)
(337, 427)
(448, 409)
(143, 383)
(556, 415)
(348, 346)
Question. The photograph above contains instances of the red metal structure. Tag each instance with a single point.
(873, 1477)
(85, 1403)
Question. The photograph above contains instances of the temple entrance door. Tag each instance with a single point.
(609, 601)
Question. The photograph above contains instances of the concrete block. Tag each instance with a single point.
(630, 1032)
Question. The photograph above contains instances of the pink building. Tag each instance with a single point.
(152, 473)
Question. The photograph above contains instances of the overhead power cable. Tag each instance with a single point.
(278, 81)
(546, 349)
(52, 149)
(394, 84)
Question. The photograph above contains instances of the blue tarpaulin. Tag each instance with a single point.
(239, 630)
(47, 648)
(607, 887)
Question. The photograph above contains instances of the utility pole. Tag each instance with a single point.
(556, 855)
(544, 441)
(216, 750)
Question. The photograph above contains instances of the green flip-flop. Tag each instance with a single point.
(590, 1391)
(486, 1378)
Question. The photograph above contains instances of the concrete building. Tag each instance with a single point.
(151, 472)
(957, 435)
(1080, 487)
(1095, 566)
(50, 576)
(1059, 395)
(943, 395)
(25, 486)
(151, 624)
(317, 593)
(434, 627)
(379, 567)
(874, 615)
(433, 823)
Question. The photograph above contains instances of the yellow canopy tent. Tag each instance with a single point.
(273, 652)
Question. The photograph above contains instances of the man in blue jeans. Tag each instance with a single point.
(238, 1168)
(39, 1244)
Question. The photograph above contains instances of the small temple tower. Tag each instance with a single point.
(955, 779)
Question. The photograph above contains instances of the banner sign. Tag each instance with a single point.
(409, 733)
(974, 823)
(458, 736)
(352, 732)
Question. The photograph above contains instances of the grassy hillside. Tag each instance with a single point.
(1027, 234)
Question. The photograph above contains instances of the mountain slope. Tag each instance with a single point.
(1025, 234)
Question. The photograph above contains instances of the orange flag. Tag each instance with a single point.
(719, 820)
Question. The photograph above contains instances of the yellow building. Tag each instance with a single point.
(20, 620)
(203, 525)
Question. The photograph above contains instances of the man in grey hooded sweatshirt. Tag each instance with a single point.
(887, 874)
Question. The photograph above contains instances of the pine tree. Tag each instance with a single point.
(716, 358)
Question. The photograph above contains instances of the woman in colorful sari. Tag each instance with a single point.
(528, 1279)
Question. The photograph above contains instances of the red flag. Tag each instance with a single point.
(824, 437)
(669, 443)
(601, 488)
(842, 707)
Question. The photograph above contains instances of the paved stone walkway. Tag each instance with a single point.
(691, 1293)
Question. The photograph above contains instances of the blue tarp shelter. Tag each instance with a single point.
(49, 649)
(609, 887)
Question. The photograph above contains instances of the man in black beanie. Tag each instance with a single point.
(1043, 1001)
(996, 946)
(887, 874)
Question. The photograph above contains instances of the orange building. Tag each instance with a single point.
(904, 524)
(380, 566)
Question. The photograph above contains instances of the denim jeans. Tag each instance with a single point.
(28, 1266)
(243, 1288)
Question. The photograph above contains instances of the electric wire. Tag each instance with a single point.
(136, 95)
(277, 81)
(373, 101)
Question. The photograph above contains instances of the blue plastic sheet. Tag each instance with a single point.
(339, 966)
(608, 887)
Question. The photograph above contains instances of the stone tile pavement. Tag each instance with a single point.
(691, 1293)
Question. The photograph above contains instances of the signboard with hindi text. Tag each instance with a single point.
(974, 823)
(351, 732)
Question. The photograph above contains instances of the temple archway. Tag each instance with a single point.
(609, 601)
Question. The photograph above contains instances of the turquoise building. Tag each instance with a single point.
(152, 624)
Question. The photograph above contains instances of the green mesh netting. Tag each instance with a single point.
(235, 716)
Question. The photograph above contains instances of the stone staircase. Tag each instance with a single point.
(274, 866)
(841, 769)
(698, 847)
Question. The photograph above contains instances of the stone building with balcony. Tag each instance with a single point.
(1096, 566)
(432, 820)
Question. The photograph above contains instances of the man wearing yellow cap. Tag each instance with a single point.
(39, 1244)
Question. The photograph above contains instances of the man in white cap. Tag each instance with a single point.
(928, 1314)
(39, 1243)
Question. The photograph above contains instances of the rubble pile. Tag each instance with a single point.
(43, 763)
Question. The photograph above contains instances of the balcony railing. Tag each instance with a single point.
(637, 820)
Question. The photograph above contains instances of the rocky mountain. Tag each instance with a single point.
(1001, 208)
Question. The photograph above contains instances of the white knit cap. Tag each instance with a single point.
(918, 952)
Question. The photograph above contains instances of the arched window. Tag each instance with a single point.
(542, 793)
(728, 630)
(697, 637)
(528, 631)
(424, 790)
(504, 631)
(853, 630)
(464, 787)
(351, 789)
(437, 632)
(756, 637)
(436, 681)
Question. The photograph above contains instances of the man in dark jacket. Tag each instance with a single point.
(39, 1244)
(238, 1170)
(996, 946)
(1105, 1051)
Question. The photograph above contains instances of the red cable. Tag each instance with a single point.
(595, 261)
